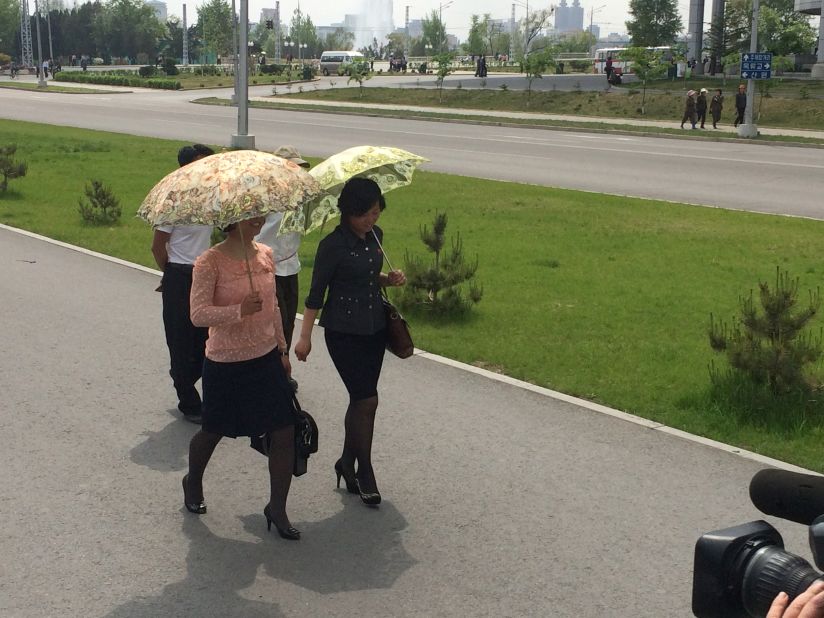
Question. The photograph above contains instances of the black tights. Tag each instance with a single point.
(281, 459)
(357, 445)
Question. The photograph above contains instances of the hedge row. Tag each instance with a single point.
(118, 80)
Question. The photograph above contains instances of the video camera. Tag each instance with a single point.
(739, 571)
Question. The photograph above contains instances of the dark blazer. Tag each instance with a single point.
(349, 268)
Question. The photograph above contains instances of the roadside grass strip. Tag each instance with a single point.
(601, 297)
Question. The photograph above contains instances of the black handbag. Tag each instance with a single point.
(306, 439)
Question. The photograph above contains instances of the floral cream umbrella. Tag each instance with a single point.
(228, 187)
(389, 167)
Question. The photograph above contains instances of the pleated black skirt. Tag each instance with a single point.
(246, 398)
(358, 359)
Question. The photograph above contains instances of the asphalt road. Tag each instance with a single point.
(780, 180)
(498, 501)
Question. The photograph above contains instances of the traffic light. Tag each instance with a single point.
(270, 24)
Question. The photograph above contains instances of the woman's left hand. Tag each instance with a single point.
(396, 278)
(287, 365)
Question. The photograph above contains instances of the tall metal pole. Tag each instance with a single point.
(41, 80)
(48, 23)
(749, 129)
(300, 27)
(242, 139)
(235, 55)
(185, 38)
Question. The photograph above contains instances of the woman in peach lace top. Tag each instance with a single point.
(245, 387)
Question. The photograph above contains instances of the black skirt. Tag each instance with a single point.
(358, 359)
(246, 398)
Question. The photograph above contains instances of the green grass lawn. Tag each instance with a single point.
(775, 111)
(602, 297)
(52, 87)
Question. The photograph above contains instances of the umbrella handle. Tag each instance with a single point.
(246, 257)
(386, 257)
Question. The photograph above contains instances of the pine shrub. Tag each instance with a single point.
(100, 207)
(9, 168)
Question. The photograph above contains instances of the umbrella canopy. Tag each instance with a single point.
(228, 187)
(389, 167)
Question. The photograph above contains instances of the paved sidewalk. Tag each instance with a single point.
(499, 501)
(726, 130)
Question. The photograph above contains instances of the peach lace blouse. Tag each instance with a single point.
(219, 285)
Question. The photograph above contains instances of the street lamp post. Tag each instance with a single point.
(441, 7)
(591, 16)
(41, 80)
(242, 139)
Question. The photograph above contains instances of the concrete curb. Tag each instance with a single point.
(491, 375)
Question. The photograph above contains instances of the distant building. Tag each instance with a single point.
(415, 28)
(595, 30)
(569, 18)
(159, 9)
(266, 15)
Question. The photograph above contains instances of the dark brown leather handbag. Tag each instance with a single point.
(398, 338)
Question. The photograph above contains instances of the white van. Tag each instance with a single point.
(330, 61)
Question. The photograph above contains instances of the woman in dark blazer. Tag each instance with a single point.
(347, 272)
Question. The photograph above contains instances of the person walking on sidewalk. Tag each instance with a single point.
(689, 109)
(348, 264)
(285, 249)
(245, 392)
(716, 105)
(175, 249)
(701, 107)
(740, 104)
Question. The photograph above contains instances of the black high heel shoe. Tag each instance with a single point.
(290, 533)
(198, 508)
(369, 498)
(350, 480)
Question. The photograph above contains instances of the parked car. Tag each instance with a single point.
(331, 61)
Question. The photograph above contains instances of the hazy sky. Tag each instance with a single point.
(610, 17)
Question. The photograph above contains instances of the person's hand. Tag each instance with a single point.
(287, 364)
(251, 304)
(809, 604)
(302, 349)
(396, 277)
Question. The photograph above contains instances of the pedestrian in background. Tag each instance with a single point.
(740, 104)
(689, 109)
(285, 250)
(716, 105)
(175, 249)
(701, 107)
(346, 282)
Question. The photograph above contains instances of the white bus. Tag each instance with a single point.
(331, 61)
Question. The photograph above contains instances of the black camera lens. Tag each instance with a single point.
(739, 571)
(772, 570)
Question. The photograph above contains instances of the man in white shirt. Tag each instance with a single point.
(287, 265)
(175, 249)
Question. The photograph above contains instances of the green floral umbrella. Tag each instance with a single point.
(389, 167)
(228, 187)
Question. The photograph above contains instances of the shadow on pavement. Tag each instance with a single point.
(167, 449)
(356, 549)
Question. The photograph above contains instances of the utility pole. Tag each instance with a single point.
(41, 80)
(277, 32)
(235, 55)
(242, 139)
(185, 39)
(749, 129)
(406, 33)
(48, 23)
(512, 34)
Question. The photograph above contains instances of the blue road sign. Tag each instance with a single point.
(756, 65)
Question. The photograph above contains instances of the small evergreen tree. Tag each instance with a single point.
(768, 346)
(101, 206)
(8, 167)
(437, 285)
(444, 68)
